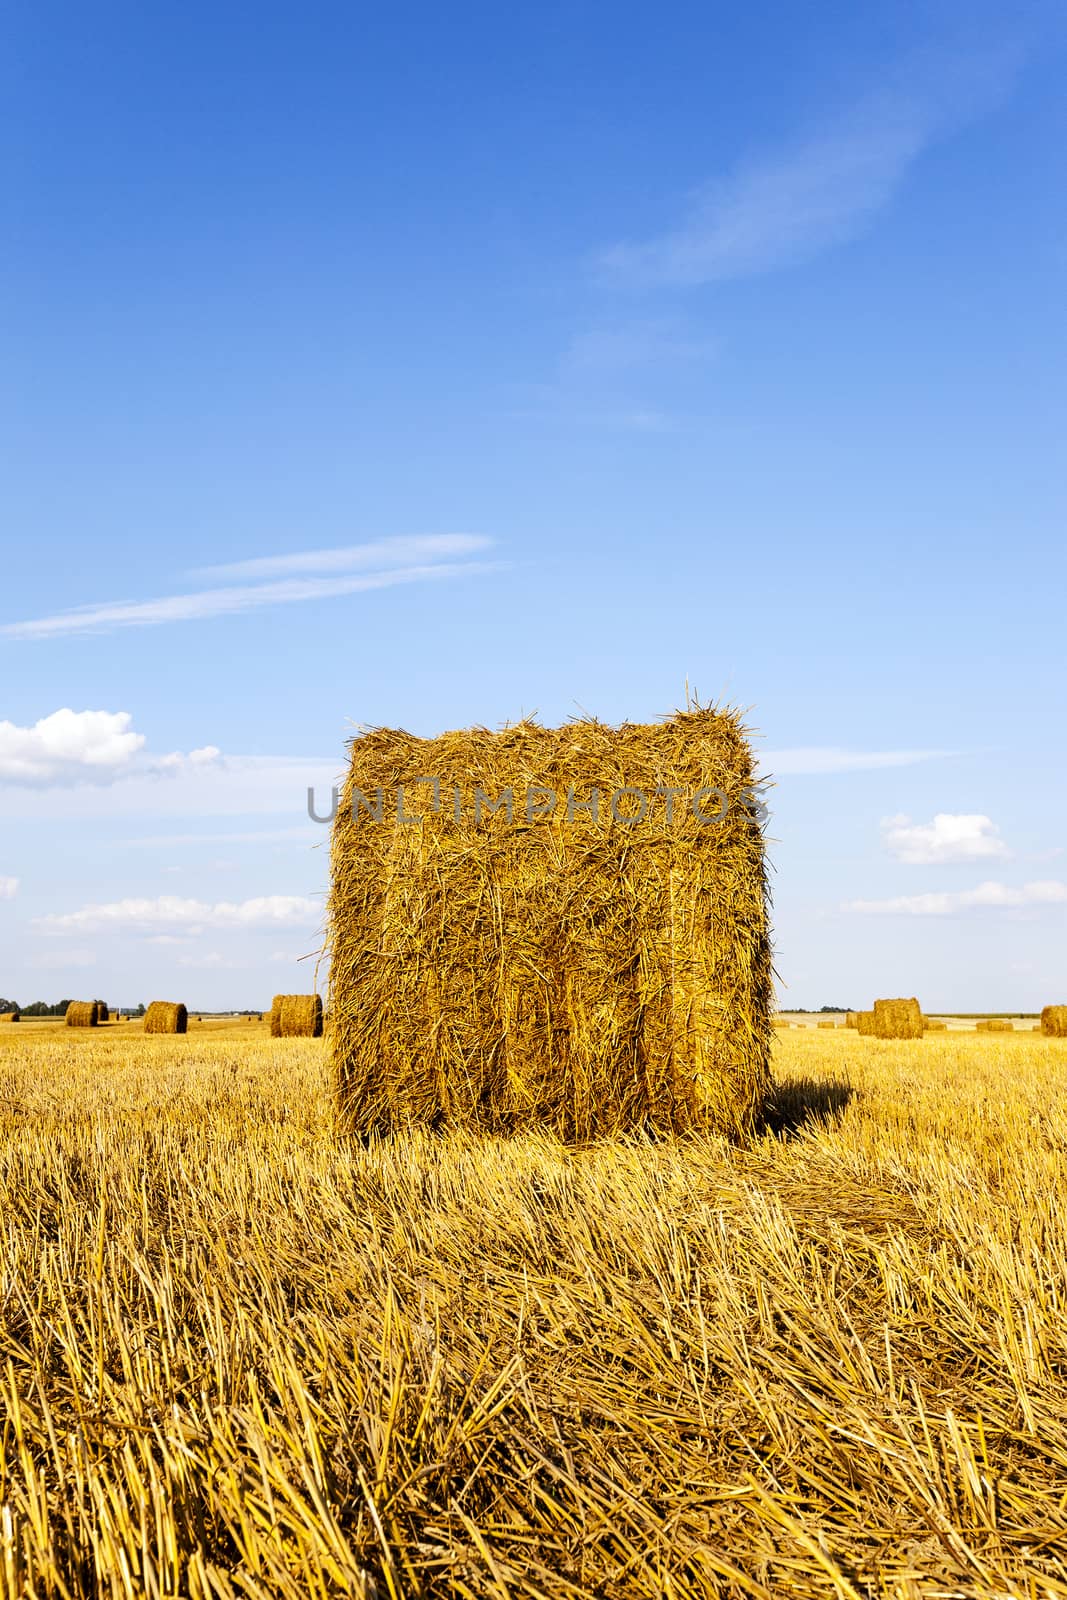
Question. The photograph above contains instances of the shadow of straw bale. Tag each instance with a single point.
(802, 1104)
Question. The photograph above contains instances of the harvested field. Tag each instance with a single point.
(269, 1361)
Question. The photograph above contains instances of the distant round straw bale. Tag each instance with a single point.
(994, 1025)
(102, 1012)
(932, 1025)
(82, 1014)
(296, 1016)
(164, 1016)
(1054, 1022)
(10, 1016)
(827, 1022)
(898, 1019)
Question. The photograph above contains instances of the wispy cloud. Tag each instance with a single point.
(170, 911)
(229, 600)
(987, 897)
(950, 836)
(415, 550)
(818, 759)
(612, 349)
(62, 960)
(228, 786)
(9, 888)
(825, 188)
(166, 841)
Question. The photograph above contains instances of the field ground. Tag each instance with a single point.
(239, 1357)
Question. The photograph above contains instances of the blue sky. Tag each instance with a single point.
(425, 367)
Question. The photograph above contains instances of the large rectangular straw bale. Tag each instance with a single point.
(898, 1019)
(865, 1024)
(81, 1014)
(551, 966)
(1054, 1022)
(166, 1016)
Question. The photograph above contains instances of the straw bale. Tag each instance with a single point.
(994, 1025)
(932, 1025)
(1054, 1022)
(102, 1012)
(551, 966)
(865, 1024)
(850, 1019)
(296, 1016)
(81, 1014)
(827, 1022)
(10, 1016)
(898, 1019)
(164, 1016)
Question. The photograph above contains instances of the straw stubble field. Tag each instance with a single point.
(239, 1356)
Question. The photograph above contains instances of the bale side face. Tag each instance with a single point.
(898, 1019)
(102, 1012)
(850, 1018)
(576, 973)
(81, 1014)
(276, 1016)
(865, 1024)
(166, 1016)
(1054, 1022)
(299, 1016)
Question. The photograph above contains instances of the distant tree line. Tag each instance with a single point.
(41, 1008)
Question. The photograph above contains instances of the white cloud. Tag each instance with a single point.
(824, 190)
(228, 601)
(950, 836)
(823, 759)
(74, 748)
(9, 888)
(68, 746)
(987, 896)
(171, 911)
